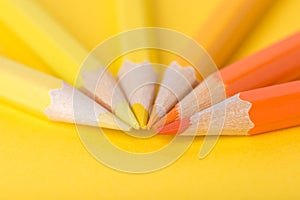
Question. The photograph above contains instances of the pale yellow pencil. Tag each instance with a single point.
(63, 54)
(50, 97)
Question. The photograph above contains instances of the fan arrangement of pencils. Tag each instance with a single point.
(261, 94)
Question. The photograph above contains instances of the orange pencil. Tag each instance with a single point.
(222, 35)
(246, 113)
(278, 63)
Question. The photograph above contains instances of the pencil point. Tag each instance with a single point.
(167, 119)
(141, 114)
(172, 115)
(124, 112)
(175, 127)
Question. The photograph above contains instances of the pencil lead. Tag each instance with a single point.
(176, 127)
(141, 114)
(172, 116)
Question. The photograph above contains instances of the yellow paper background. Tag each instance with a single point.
(39, 158)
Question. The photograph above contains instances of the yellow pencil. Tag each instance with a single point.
(50, 97)
(139, 83)
(135, 14)
(63, 54)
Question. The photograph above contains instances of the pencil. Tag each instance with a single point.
(132, 15)
(63, 54)
(246, 113)
(49, 97)
(139, 83)
(274, 64)
(223, 34)
(177, 81)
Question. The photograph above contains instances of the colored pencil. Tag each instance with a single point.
(246, 113)
(63, 54)
(139, 83)
(278, 62)
(222, 35)
(177, 82)
(132, 15)
(47, 96)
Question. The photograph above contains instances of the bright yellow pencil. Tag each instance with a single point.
(139, 82)
(135, 14)
(51, 97)
(63, 54)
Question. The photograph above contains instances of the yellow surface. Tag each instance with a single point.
(44, 159)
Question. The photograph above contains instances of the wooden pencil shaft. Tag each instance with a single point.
(138, 82)
(177, 81)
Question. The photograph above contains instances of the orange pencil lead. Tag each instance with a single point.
(175, 127)
(167, 119)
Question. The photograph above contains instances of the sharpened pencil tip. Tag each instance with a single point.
(167, 119)
(175, 127)
(124, 112)
(141, 114)
(153, 117)
(172, 115)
